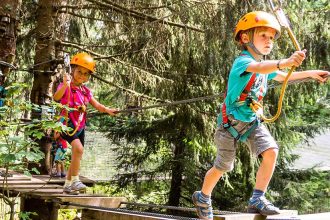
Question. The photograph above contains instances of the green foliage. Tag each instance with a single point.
(26, 215)
(307, 191)
(17, 148)
(185, 52)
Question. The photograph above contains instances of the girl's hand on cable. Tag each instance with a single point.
(66, 79)
(295, 59)
(111, 111)
(320, 75)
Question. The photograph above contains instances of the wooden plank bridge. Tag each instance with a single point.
(43, 195)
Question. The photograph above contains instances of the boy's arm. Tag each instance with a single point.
(101, 108)
(270, 66)
(320, 75)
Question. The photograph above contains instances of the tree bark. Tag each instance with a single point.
(9, 23)
(177, 176)
(49, 27)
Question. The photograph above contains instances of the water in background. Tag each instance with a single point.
(317, 154)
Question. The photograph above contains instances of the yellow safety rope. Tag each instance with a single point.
(256, 106)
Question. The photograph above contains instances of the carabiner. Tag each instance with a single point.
(67, 62)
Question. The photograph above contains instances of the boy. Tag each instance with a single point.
(255, 32)
(60, 147)
(75, 94)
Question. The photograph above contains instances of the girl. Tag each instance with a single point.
(73, 93)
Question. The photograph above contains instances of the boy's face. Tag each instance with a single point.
(81, 74)
(263, 39)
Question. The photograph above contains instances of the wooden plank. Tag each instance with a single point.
(30, 181)
(107, 202)
(41, 191)
(15, 177)
(92, 214)
(56, 195)
(56, 180)
(318, 216)
(33, 186)
(249, 216)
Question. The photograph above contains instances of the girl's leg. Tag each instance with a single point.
(76, 155)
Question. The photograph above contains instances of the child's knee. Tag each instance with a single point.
(270, 153)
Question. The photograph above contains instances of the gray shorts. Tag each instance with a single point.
(259, 141)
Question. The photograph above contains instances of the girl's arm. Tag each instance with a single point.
(66, 83)
(101, 108)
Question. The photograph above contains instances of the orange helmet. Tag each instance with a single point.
(84, 60)
(257, 19)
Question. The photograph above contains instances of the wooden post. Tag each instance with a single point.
(46, 210)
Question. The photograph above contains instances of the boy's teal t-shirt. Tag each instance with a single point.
(238, 79)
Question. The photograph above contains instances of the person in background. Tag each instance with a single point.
(59, 146)
(73, 93)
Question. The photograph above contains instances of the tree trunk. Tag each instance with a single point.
(48, 28)
(177, 175)
(8, 32)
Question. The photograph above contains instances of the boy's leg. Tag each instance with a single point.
(263, 144)
(224, 162)
(266, 169)
(211, 179)
(58, 168)
(63, 174)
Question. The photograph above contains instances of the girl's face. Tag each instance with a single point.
(263, 39)
(80, 75)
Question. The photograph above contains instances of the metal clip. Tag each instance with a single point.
(67, 62)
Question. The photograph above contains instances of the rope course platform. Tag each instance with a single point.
(43, 195)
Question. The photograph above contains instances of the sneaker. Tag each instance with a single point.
(204, 209)
(56, 175)
(69, 191)
(78, 186)
(263, 206)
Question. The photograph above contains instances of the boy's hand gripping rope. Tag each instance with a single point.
(255, 106)
(81, 109)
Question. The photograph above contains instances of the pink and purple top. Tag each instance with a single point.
(79, 95)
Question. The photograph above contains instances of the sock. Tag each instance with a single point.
(204, 198)
(257, 193)
(74, 178)
(67, 183)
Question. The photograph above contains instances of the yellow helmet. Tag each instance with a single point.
(257, 19)
(84, 60)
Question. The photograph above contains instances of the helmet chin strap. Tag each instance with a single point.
(251, 45)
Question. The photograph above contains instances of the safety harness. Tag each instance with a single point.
(80, 108)
(243, 99)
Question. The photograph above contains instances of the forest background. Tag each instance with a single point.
(158, 51)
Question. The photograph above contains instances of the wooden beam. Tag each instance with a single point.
(318, 216)
(287, 214)
(91, 214)
(107, 202)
